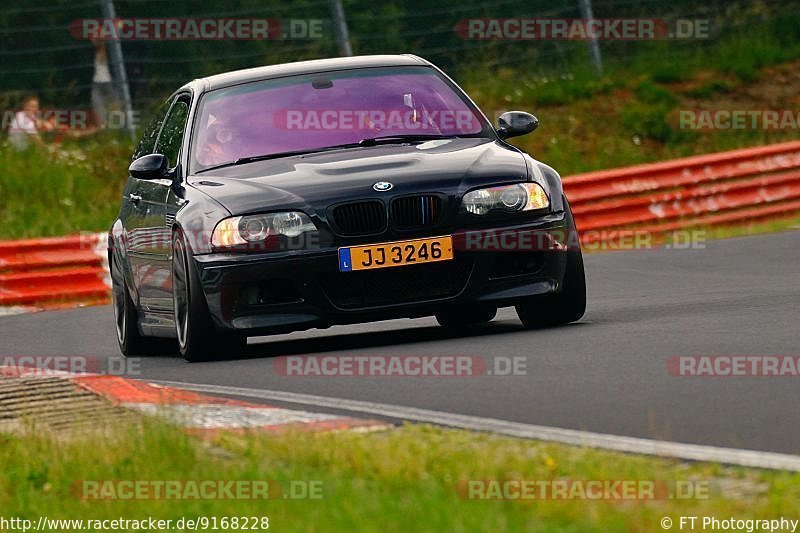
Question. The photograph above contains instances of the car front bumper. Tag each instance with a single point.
(279, 292)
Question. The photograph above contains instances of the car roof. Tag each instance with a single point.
(237, 77)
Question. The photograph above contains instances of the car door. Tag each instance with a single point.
(157, 275)
(134, 211)
(148, 234)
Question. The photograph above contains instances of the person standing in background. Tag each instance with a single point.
(27, 123)
(104, 95)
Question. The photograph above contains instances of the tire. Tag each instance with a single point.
(567, 305)
(126, 319)
(466, 317)
(198, 338)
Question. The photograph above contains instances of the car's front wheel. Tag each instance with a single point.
(198, 338)
(567, 305)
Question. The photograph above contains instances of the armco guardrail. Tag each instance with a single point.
(722, 188)
(53, 270)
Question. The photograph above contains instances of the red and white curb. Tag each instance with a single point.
(199, 412)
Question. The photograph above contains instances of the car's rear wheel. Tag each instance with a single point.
(198, 338)
(126, 319)
(567, 305)
(470, 316)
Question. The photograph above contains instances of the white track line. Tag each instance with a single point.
(693, 452)
(16, 310)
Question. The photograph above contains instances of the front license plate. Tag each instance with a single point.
(392, 254)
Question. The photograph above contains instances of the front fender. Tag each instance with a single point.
(117, 246)
(547, 176)
(197, 216)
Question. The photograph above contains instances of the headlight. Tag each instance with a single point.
(236, 231)
(517, 197)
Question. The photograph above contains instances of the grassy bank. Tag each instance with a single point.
(61, 190)
(389, 481)
(631, 114)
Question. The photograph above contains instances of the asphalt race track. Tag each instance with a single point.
(606, 374)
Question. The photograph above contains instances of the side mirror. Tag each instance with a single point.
(149, 167)
(515, 123)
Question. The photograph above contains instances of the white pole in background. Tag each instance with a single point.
(594, 48)
(340, 27)
(118, 64)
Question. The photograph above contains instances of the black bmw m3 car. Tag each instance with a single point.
(328, 192)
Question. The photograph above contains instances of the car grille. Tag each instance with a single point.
(360, 218)
(396, 285)
(416, 211)
(369, 217)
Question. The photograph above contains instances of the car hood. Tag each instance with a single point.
(315, 181)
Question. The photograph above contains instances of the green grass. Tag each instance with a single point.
(772, 226)
(397, 480)
(63, 190)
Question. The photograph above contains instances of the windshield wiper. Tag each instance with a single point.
(372, 141)
(278, 155)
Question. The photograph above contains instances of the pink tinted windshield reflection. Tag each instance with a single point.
(284, 118)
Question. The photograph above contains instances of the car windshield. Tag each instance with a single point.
(314, 112)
